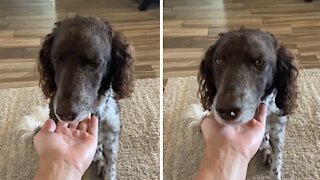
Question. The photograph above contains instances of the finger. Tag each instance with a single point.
(93, 126)
(215, 122)
(73, 125)
(61, 125)
(261, 114)
(211, 123)
(207, 121)
(49, 125)
(83, 125)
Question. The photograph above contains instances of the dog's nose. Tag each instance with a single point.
(228, 106)
(67, 117)
(66, 114)
(228, 114)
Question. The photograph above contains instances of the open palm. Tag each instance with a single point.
(243, 138)
(73, 143)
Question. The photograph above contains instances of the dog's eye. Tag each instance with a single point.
(220, 61)
(259, 63)
(94, 65)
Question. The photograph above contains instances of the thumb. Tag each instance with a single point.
(49, 125)
(93, 126)
(261, 114)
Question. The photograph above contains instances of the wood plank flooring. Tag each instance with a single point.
(191, 26)
(23, 24)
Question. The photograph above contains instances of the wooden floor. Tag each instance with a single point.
(191, 26)
(23, 24)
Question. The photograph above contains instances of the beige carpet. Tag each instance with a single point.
(183, 147)
(139, 146)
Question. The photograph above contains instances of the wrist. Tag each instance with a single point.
(229, 151)
(224, 164)
(55, 170)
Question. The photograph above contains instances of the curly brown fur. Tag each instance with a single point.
(122, 66)
(85, 67)
(286, 81)
(45, 67)
(207, 89)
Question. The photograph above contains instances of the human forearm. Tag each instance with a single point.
(56, 171)
(226, 164)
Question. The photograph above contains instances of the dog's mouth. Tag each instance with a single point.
(244, 114)
(247, 113)
(80, 117)
(244, 117)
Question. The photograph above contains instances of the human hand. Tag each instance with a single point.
(243, 139)
(70, 144)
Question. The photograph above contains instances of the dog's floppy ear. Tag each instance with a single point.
(207, 88)
(45, 66)
(285, 80)
(122, 55)
(121, 68)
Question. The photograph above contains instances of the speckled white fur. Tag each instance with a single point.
(110, 127)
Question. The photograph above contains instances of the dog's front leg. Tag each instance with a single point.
(277, 138)
(110, 142)
(110, 126)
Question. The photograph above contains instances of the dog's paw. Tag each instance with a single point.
(101, 166)
(101, 169)
(265, 144)
(267, 157)
(98, 155)
(104, 172)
